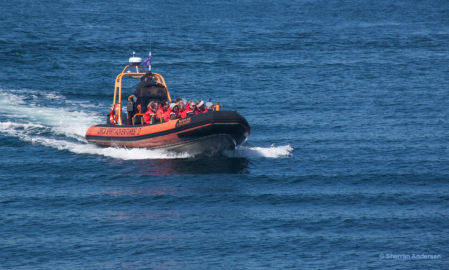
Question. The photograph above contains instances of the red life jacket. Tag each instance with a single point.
(205, 110)
(147, 116)
(186, 110)
(166, 114)
(178, 114)
(180, 111)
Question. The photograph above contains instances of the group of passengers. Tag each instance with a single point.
(166, 111)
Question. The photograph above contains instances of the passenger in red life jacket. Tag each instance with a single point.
(164, 111)
(189, 107)
(188, 104)
(152, 106)
(200, 107)
(180, 104)
(174, 109)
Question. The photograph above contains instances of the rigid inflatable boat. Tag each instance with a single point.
(210, 133)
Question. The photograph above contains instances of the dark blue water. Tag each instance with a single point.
(347, 161)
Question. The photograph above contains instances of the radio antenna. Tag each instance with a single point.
(150, 49)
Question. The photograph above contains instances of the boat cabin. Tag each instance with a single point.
(143, 96)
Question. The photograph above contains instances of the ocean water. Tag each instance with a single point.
(346, 167)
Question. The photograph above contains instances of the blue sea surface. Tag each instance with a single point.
(346, 167)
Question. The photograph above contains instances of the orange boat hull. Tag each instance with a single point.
(211, 132)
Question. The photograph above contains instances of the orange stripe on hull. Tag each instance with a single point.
(137, 131)
(120, 131)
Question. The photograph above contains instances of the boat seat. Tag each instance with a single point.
(153, 118)
(172, 116)
(190, 113)
(138, 119)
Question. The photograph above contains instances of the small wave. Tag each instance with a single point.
(270, 152)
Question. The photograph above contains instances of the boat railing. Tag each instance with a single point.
(137, 74)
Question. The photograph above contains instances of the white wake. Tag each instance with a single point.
(252, 152)
(50, 120)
